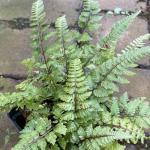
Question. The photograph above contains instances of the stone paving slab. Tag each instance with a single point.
(15, 8)
(6, 124)
(7, 85)
(10, 9)
(129, 5)
(57, 8)
(14, 47)
(22, 8)
(139, 85)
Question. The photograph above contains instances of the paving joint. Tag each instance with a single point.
(17, 77)
(14, 76)
(21, 23)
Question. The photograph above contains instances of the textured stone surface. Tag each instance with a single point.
(5, 125)
(15, 8)
(56, 8)
(139, 85)
(131, 5)
(21, 8)
(7, 85)
(14, 47)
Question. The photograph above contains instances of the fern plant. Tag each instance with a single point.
(69, 92)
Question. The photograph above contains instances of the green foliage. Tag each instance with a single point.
(94, 138)
(69, 92)
(39, 27)
(89, 18)
(106, 46)
(118, 28)
(113, 70)
(74, 95)
(137, 109)
(114, 146)
(38, 134)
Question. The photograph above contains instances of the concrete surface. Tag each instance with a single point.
(10, 9)
(14, 47)
(139, 84)
(7, 85)
(129, 5)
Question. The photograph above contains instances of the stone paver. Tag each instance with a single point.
(129, 5)
(22, 8)
(56, 8)
(139, 85)
(14, 47)
(6, 124)
(7, 85)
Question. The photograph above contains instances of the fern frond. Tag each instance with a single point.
(31, 94)
(133, 107)
(99, 137)
(64, 36)
(138, 43)
(136, 109)
(124, 124)
(59, 52)
(38, 24)
(40, 31)
(75, 93)
(35, 134)
(112, 71)
(115, 110)
(103, 54)
(89, 17)
(106, 47)
(38, 133)
(62, 33)
(118, 28)
(62, 27)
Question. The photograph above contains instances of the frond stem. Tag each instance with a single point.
(100, 82)
(64, 52)
(49, 129)
(41, 46)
